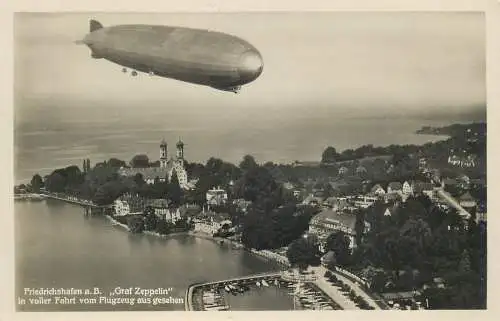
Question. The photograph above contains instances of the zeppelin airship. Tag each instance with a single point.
(197, 56)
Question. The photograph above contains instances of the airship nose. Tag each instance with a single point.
(250, 65)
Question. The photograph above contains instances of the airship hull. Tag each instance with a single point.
(197, 56)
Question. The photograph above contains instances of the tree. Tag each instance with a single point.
(329, 155)
(248, 163)
(135, 224)
(36, 183)
(339, 242)
(257, 184)
(359, 226)
(116, 163)
(108, 193)
(55, 182)
(302, 253)
(464, 265)
(150, 219)
(418, 230)
(174, 190)
(140, 161)
(139, 179)
(163, 227)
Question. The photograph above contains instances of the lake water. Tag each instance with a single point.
(51, 135)
(58, 247)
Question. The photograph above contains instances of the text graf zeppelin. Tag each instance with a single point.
(96, 296)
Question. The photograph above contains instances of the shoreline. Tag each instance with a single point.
(202, 235)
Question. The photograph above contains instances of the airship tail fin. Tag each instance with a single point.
(95, 25)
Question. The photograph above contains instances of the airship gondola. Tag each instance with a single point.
(203, 57)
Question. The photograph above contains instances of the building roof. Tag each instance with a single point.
(360, 169)
(221, 217)
(419, 186)
(158, 203)
(327, 216)
(395, 186)
(329, 257)
(376, 187)
(466, 197)
(147, 173)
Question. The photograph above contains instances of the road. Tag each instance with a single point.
(453, 202)
(336, 294)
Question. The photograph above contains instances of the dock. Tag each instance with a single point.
(249, 278)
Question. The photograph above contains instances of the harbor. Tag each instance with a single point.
(230, 295)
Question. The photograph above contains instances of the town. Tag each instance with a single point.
(408, 222)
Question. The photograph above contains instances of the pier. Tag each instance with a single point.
(89, 206)
(249, 278)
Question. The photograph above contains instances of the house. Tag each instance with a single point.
(463, 161)
(330, 202)
(422, 162)
(216, 196)
(128, 204)
(242, 204)
(159, 206)
(394, 187)
(211, 223)
(407, 189)
(221, 221)
(328, 221)
(422, 188)
(173, 214)
(464, 179)
(343, 170)
(364, 201)
(391, 197)
(361, 170)
(467, 201)
(378, 190)
(313, 200)
(121, 208)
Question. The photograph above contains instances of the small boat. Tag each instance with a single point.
(227, 289)
(264, 283)
(257, 283)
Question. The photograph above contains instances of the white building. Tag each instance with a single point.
(122, 208)
(328, 221)
(378, 190)
(407, 189)
(364, 201)
(216, 196)
(128, 205)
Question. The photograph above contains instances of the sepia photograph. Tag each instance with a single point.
(249, 161)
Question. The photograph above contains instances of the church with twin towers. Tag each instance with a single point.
(168, 165)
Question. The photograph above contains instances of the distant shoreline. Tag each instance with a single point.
(44, 169)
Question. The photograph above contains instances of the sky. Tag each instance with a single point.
(373, 62)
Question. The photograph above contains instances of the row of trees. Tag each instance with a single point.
(418, 242)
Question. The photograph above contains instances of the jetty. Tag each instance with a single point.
(188, 302)
(89, 206)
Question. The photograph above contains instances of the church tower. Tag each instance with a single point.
(180, 150)
(163, 154)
